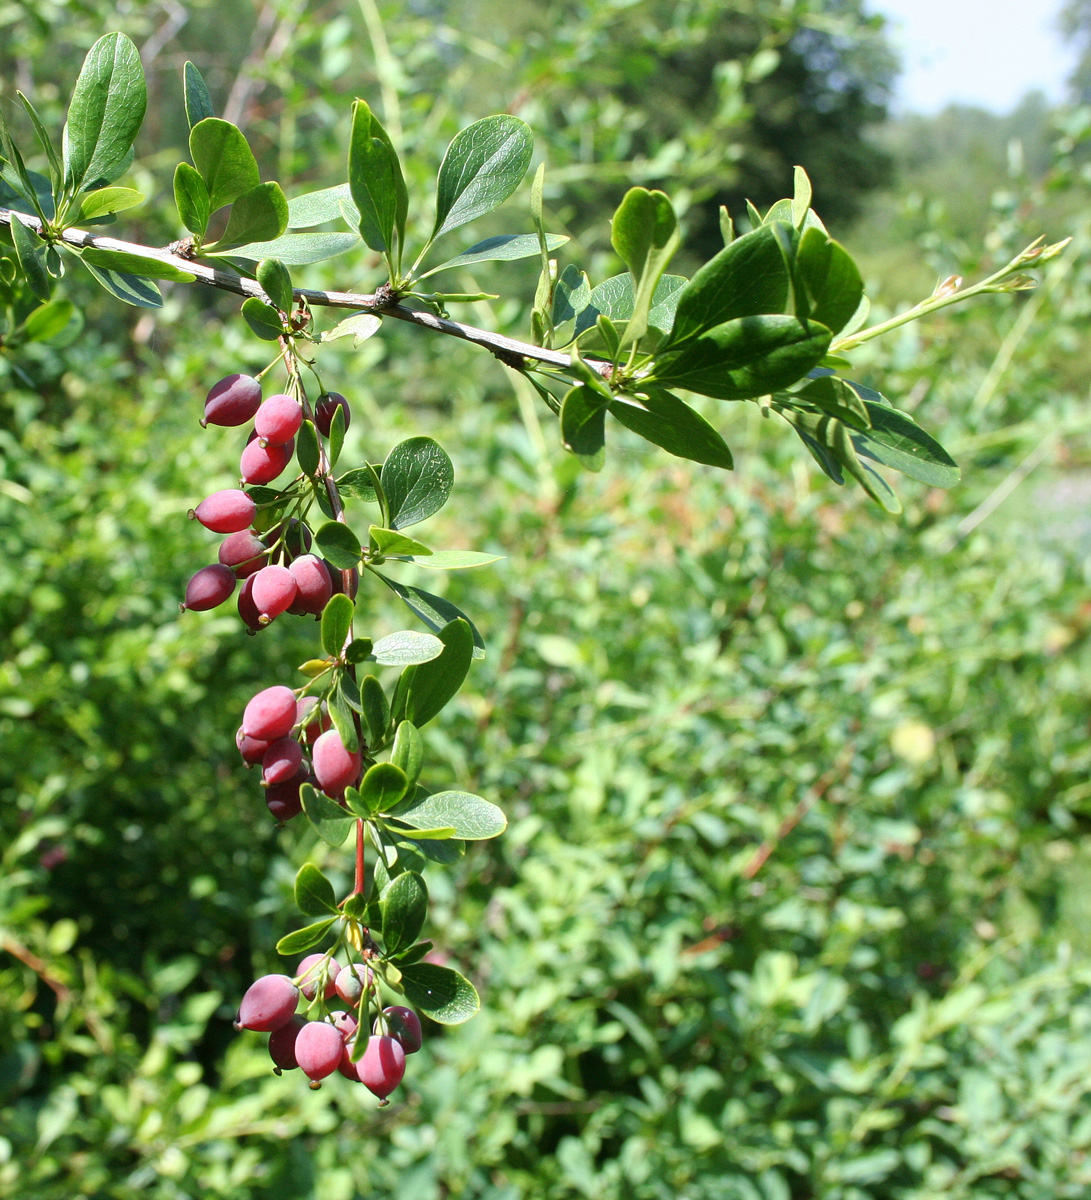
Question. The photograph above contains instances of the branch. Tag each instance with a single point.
(508, 350)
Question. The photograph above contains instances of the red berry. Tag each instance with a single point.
(282, 799)
(345, 1022)
(314, 584)
(262, 464)
(278, 420)
(382, 1066)
(339, 582)
(318, 1049)
(210, 587)
(248, 610)
(281, 761)
(268, 1004)
(309, 974)
(282, 1044)
(244, 552)
(273, 592)
(351, 981)
(227, 511)
(251, 749)
(232, 401)
(403, 1024)
(335, 768)
(270, 714)
(316, 723)
(324, 409)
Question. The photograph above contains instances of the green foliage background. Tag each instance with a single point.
(684, 667)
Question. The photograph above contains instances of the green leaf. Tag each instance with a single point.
(472, 818)
(897, 441)
(375, 180)
(191, 199)
(447, 997)
(407, 648)
(108, 200)
(615, 298)
(663, 419)
(358, 650)
(30, 253)
(436, 612)
(107, 107)
(455, 560)
(832, 279)
(832, 446)
(413, 953)
(747, 278)
(316, 208)
(297, 249)
(134, 264)
(408, 751)
(263, 319)
(389, 541)
(376, 710)
(306, 448)
(275, 281)
(483, 165)
(336, 623)
(417, 478)
(337, 429)
(427, 688)
(313, 892)
(359, 327)
(56, 170)
(404, 906)
(572, 294)
(341, 712)
(258, 215)
(644, 232)
(130, 289)
(328, 819)
(224, 159)
(745, 357)
(835, 398)
(35, 189)
(359, 482)
(801, 197)
(505, 247)
(383, 786)
(49, 320)
(340, 547)
(583, 425)
(305, 938)
(197, 100)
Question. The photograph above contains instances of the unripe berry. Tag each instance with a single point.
(382, 1066)
(403, 1024)
(314, 584)
(351, 981)
(270, 714)
(232, 401)
(268, 1004)
(318, 1049)
(282, 1044)
(227, 511)
(244, 552)
(251, 749)
(324, 408)
(262, 464)
(273, 592)
(281, 761)
(335, 768)
(309, 974)
(278, 420)
(208, 588)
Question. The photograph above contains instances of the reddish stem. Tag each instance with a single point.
(358, 890)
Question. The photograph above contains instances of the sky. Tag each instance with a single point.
(984, 52)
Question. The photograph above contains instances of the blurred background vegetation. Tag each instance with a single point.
(793, 902)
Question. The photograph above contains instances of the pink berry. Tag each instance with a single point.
(210, 587)
(282, 1044)
(324, 409)
(345, 1022)
(244, 552)
(232, 401)
(273, 592)
(270, 714)
(402, 1024)
(281, 761)
(278, 420)
(382, 1066)
(251, 749)
(318, 1049)
(268, 1004)
(262, 464)
(309, 972)
(335, 768)
(351, 981)
(346, 1066)
(314, 584)
(227, 511)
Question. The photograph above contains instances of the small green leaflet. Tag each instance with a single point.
(197, 100)
(505, 247)
(224, 158)
(443, 994)
(314, 894)
(417, 478)
(329, 820)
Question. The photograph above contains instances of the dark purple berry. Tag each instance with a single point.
(282, 799)
(251, 749)
(232, 401)
(282, 761)
(403, 1024)
(248, 610)
(339, 582)
(282, 1044)
(268, 1004)
(210, 587)
(324, 408)
(314, 585)
(294, 539)
(225, 512)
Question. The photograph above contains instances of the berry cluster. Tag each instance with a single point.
(327, 1042)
